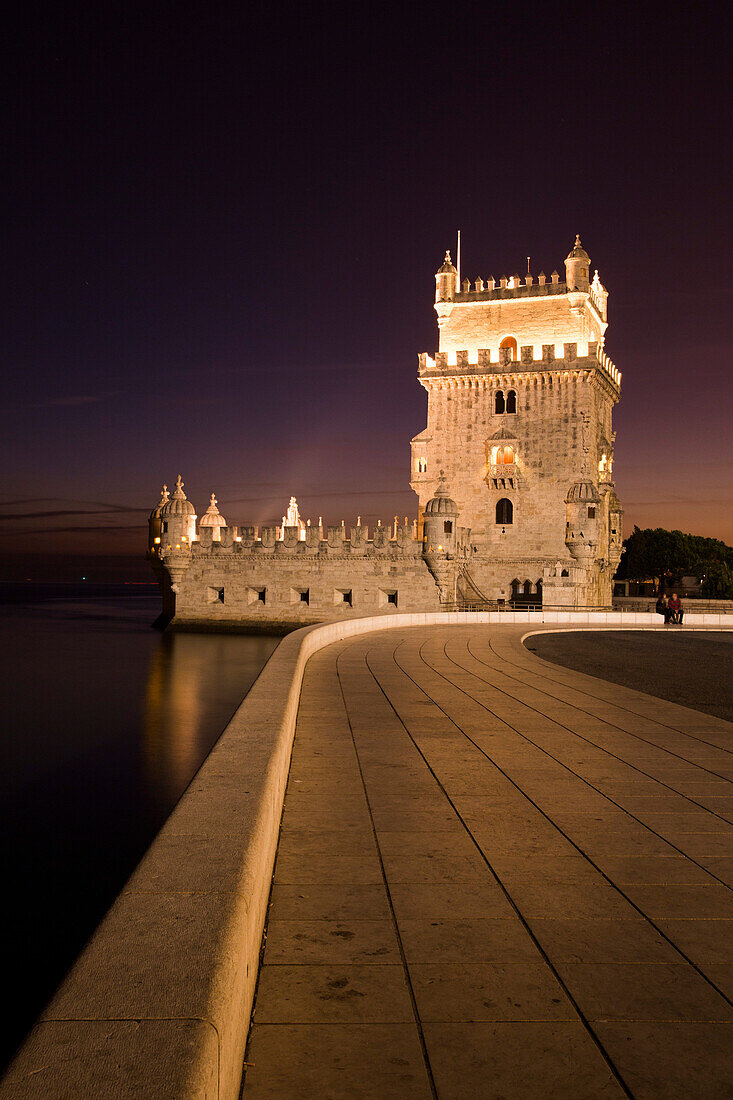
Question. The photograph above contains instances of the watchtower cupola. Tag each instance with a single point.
(154, 521)
(178, 520)
(439, 529)
(213, 518)
(446, 281)
(577, 267)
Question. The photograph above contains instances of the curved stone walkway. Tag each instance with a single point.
(497, 878)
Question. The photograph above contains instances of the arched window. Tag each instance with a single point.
(565, 573)
(505, 455)
(504, 511)
(422, 465)
(511, 401)
(499, 401)
(510, 343)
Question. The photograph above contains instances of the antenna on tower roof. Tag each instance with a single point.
(458, 261)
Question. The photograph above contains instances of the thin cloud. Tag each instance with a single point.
(70, 402)
(104, 529)
(94, 508)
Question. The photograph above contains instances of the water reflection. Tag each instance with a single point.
(106, 724)
(189, 696)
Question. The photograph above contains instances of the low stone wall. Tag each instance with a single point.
(159, 1002)
(693, 606)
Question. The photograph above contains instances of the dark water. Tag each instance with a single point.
(104, 723)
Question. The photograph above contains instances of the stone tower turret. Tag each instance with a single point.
(440, 539)
(154, 521)
(446, 281)
(577, 268)
(446, 287)
(178, 520)
(214, 519)
(582, 508)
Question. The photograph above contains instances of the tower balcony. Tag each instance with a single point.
(503, 475)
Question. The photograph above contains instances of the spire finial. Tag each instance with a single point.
(447, 256)
(441, 491)
(179, 493)
(213, 500)
(577, 240)
(164, 494)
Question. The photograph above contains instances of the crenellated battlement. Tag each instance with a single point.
(509, 286)
(396, 541)
(562, 359)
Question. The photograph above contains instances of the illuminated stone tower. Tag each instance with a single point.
(520, 396)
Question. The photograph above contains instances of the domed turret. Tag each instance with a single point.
(577, 267)
(441, 513)
(154, 520)
(446, 279)
(582, 514)
(214, 519)
(439, 540)
(178, 519)
(582, 492)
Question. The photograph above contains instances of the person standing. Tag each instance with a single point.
(675, 609)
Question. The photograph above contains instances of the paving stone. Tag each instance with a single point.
(643, 991)
(329, 941)
(484, 992)
(654, 870)
(682, 901)
(325, 867)
(663, 1060)
(302, 841)
(318, 902)
(450, 939)
(558, 899)
(521, 1061)
(317, 1062)
(349, 993)
(456, 900)
(603, 941)
(704, 941)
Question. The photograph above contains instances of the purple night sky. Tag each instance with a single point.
(223, 222)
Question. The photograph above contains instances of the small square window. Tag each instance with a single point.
(256, 595)
(305, 596)
(165, 527)
(347, 598)
(215, 595)
(591, 512)
(448, 527)
(392, 598)
(300, 595)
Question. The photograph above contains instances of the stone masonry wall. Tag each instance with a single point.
(546, 435)
(475, 325)
(231, 584)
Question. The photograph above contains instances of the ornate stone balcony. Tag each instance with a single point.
(503, 475)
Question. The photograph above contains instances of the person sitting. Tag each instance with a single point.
(662, 608)
(675, 609)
